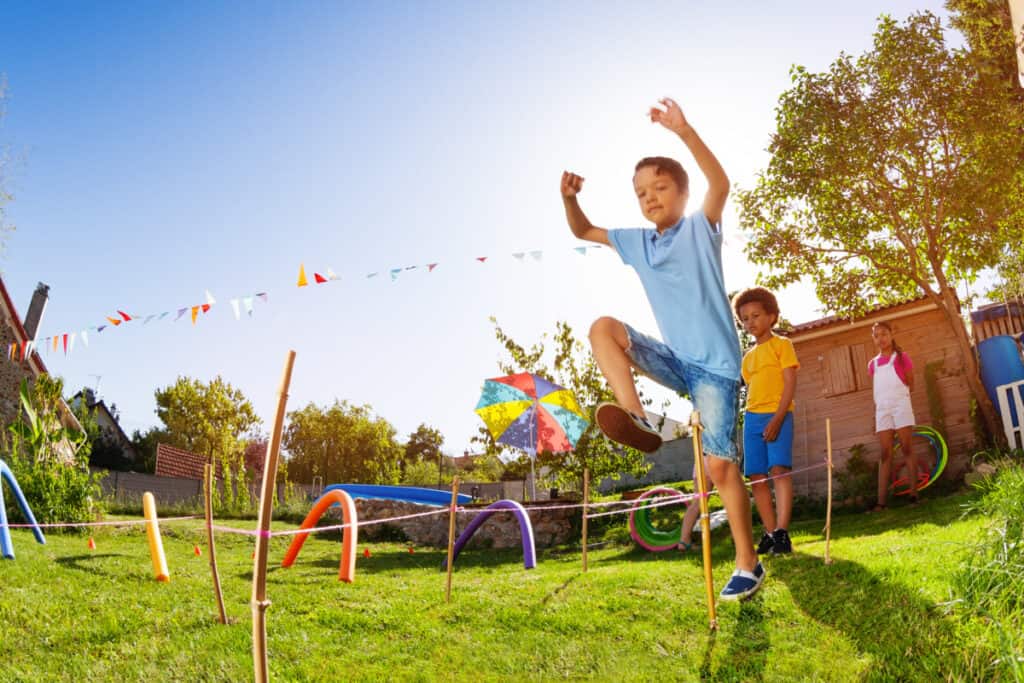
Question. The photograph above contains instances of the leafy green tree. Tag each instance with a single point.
(893, 175)
(145, 444)
(424, 444)
(207, 418)
(572, 367)
(420, 473)
(342, 443)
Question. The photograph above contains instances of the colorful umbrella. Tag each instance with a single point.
(532, 413)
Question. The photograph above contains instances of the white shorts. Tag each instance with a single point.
(894, 416)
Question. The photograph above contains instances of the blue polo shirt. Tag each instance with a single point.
(681, 271)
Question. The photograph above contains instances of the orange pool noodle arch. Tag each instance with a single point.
(347, 568)
(156, 545)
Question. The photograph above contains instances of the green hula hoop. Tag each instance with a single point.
(644, 532)
(901, 487)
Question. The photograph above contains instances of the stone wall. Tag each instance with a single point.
(501, 530)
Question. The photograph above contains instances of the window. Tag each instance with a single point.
(840, 377)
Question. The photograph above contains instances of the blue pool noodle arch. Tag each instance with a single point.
(6, 547)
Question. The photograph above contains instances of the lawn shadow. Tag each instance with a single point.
(748, 645)
(937, 511)
(907, 637)
(83, 563)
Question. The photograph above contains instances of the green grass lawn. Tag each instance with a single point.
(878, 613)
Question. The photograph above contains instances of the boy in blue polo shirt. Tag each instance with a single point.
(679, 263)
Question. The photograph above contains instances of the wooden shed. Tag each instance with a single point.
(833, 383)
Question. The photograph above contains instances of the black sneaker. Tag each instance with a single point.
(782, 544)
(622, 426)
(766, 544)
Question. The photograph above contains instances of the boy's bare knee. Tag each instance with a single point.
(779, 470)
(607, 327)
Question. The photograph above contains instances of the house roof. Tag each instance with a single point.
(100, 405)
(177, 462)
(803, 328)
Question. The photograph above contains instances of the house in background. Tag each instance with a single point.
(833, 383)
(672, 462)
(23, 367)
(117, 451)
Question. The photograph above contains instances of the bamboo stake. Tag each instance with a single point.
(828, 511)
(586, 501)
(207, 488)
(259, 573)
(451, 537)
(705, 519)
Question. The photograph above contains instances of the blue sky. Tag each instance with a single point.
(158, 151)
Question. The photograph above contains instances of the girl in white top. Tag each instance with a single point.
(892, 376)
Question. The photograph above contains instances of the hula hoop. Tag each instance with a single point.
(901, 486)
(641, 529)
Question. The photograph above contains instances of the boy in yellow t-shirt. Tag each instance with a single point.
(769, 370)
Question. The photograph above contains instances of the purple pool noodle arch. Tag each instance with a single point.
(525, 528)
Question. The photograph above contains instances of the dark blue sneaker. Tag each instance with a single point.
(781, 544)
(743, 584)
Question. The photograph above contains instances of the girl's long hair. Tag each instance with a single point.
(895, 346)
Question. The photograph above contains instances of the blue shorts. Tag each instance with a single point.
(759, 456)
(713, 395)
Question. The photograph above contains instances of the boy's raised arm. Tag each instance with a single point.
(578, 221)
(718, 183)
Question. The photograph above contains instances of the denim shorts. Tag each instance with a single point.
(713, 395)
(759, 456)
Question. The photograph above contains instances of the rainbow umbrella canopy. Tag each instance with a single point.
(529, 412)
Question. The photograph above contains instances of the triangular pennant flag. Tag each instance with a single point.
(114, 321)
(56, 340)
(65, 344)
(148, 318)
(26, 350)
(10, 351)
(209, 298)
(263, 296)
(394, 273)
(371, 275)
(234, 307)
(580, 250)
(195, 312)
(302, 276)
(124, 315)
(85, 338)
(71, 344)
(410, 267)
(206, 308)
(536, 254)
(164, 315)
(181, 312)
(101, 328)
(331, 275)
(481, 259)
(519, 255)
(430, 267)
(320, 279)
(247, 302)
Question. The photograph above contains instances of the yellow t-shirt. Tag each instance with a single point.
(762, 371)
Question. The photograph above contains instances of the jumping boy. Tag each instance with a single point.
(679, 263)
(769, 369)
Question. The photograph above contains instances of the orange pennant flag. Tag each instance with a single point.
(302, 276)
(114, 321)
(55, 340)
(195, 312)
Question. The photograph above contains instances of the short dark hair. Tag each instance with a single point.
(758, 295)
(666, 165)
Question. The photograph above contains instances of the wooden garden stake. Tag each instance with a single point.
(207, 489)
(586, 501)
(705, 519)
(451, 537)
(267, 494)
(828, 510)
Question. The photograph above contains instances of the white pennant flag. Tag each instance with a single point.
(331, 275)
(247, 302)
(71, 344)
(85, 338)
(234, 307)
(209, 298)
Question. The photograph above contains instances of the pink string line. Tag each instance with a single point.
(124, 522)
(320, 529)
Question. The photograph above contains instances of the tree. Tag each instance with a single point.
(208, 419)
(342, 443)
(573, 368)
(424, 444)
(892, 176)
(145, 444)
(104, 449)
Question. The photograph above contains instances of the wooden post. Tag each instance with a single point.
(267, 493)
(586, 501)
(207, 488)
(705, 519)
(451, 537)
(828, 510)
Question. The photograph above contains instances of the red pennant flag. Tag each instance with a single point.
(65, 344)
(481, 259)
(320, 279)
(124, 315)
(430, 267)
(206, 308)
(114, 321)
(366, 552)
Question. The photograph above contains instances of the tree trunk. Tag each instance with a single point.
(972, 369)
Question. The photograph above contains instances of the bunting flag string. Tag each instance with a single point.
(66, 340)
